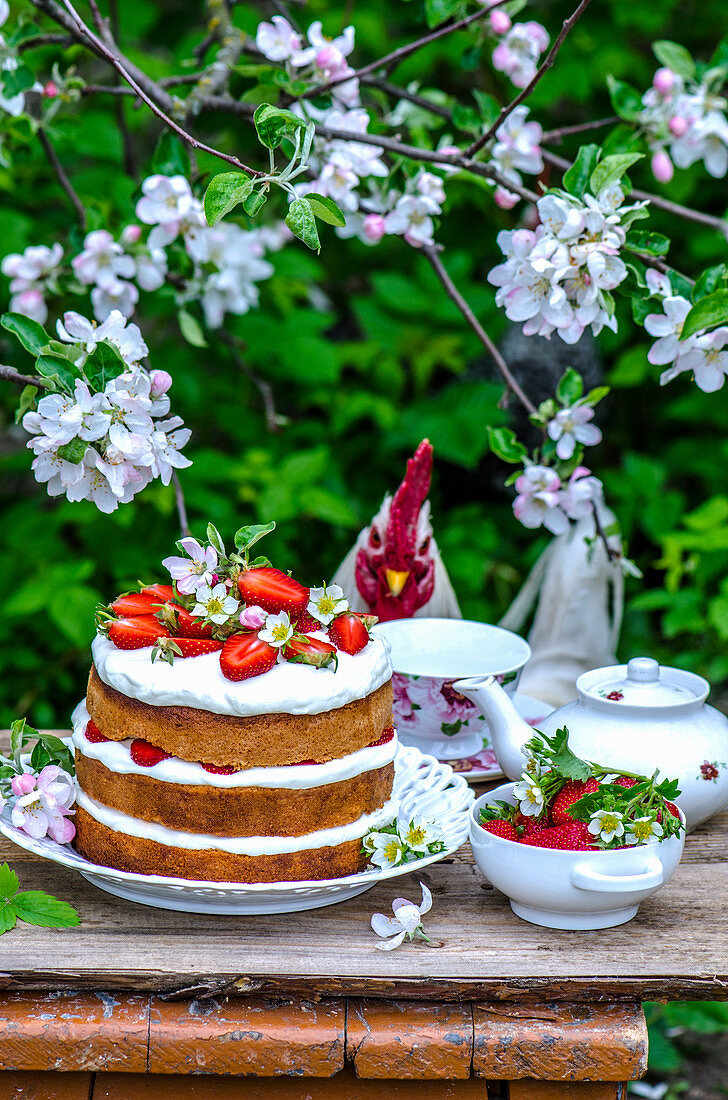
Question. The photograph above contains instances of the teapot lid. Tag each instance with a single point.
(643, 683)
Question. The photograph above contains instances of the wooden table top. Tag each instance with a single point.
(676, 947)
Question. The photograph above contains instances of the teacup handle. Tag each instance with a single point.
(585, 877)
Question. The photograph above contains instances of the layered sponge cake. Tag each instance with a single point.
(267, 754)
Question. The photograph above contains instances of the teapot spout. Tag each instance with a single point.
(508, 731)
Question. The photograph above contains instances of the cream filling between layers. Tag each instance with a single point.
(238, 845)
(115, 756)
(198, 682)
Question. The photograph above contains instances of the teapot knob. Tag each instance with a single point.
(645, 670)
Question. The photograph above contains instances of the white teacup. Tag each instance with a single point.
(428, 655)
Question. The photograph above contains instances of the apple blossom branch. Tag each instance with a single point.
(52, 158)
(10, 374)
(540, 72)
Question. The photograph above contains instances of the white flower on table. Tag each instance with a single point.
(406, 922)
(419, 833)
(642, 830)
(193, 572)
(529, 796)
(606, 824)
(326, 603)
(214, 605)
(277, 630)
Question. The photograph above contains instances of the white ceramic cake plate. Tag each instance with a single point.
(425, 787)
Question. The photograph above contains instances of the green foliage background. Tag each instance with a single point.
(365, 356)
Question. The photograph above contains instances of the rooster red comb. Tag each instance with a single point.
(406, 504)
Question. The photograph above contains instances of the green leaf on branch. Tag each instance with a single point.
(191, 329)
(253, 203)
(467, 118)
(224, 192)
(26, 403)
(18, 80)
(73, 451)
(504, 445)
(649, 244)
(103, 365)
(570, 387)
(610, 170)
(674, 56)
(709, 281)
(437, 11)
(246, 537)
(626, 100)
(170, 156)
(302, 223)
(707, 313)
(58, 369)
(31, 335)
(275, 123)
(576, 179)
(326, 209)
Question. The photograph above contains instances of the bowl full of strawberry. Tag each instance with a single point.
(573, 845)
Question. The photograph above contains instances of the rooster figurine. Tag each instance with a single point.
(394, 570)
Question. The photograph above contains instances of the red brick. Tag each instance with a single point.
(404, 1039)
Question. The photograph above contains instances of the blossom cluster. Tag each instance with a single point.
(33, 274)
(544, 500)
(559, 277)
(322, 59)
(516, 149)
(402, 842)
(38, 784)
(685, 122)
(519, 50)
(704, 354)
(13, 105)
(106, 445)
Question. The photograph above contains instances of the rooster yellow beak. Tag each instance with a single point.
(396, 580)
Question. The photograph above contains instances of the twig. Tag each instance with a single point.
(264, 388)
(179, 499)
(612, 554)
(579, 128)
(403, 93)
(542, 69)
(44, 40)
(99, 21)
(454, 294)
(130, 160)
(9, 374)
(52, 158)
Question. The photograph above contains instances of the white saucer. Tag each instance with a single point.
(424, 786)
(483, 764)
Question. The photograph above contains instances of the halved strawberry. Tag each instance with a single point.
(165, 592)
(273, 590)
(304, 650)
(570, 793)
(145, 754)
(349, 632)
(307, 624)
(186, 625)
(566, 838)
(93, 733)
(245, 655)
(136, 632)
(387, 735)
(220, 769)
(189, 647)
(504, 829)
(136, 603)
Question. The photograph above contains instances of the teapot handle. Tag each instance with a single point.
(585, 877)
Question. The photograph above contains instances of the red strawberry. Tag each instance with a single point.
(245, 655)
(191, 647)
(136, 632)
(569, 794)
(504, 829)
(165, 592)
(93, 733)
(273, 590)
(136, 603)
(387, 735)
(625, 781)
(568, 838)
(529, 826)
(306, 623)
(304, 650)
(182, 623)
(673, 809)
(348, 632)
(145, 754)
(220, 769)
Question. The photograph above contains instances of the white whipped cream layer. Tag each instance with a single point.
(238, 845)
(115, 756)
(198, 682)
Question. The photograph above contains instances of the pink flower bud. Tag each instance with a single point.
(506, 200)
(664, 81)
(500, 22)
(50, 90)
(161, 381)
(662, 167)
(252, 618)
(373, 228)
(22, 784)
(678, 125)
(130, 234)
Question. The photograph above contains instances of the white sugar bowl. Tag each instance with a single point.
(571, 890)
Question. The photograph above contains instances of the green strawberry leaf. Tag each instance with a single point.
(36, 907)
(8, 882)
(7, 917)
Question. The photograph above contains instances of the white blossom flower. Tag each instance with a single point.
(277, 630)
(581, 494)
(277, 40)
(151, 268)
(571, 426)
(431, 186)
(606, 824)
(196, 570)
(707, 357)
(326, 603)
(667, 327)
(419, 833)
(102, 260)
(30, 272)
(538, 499)
(529, 795)
(215, 605)
(43, 804)
(126, 337)
(114, 295)
(412, 217)
(406, 922)
(167, 203)
(685, 122)
(385, 849)
(518, 52)
(642, 830)
(167, 441)
(328, 57)
(517, 148)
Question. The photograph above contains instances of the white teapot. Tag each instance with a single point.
(636, 717)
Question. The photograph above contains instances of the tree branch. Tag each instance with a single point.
(455, 296)
(579, 128)
(9, 374)
(52, 158)
(40, 40)
(402, 93)
(543, 68)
